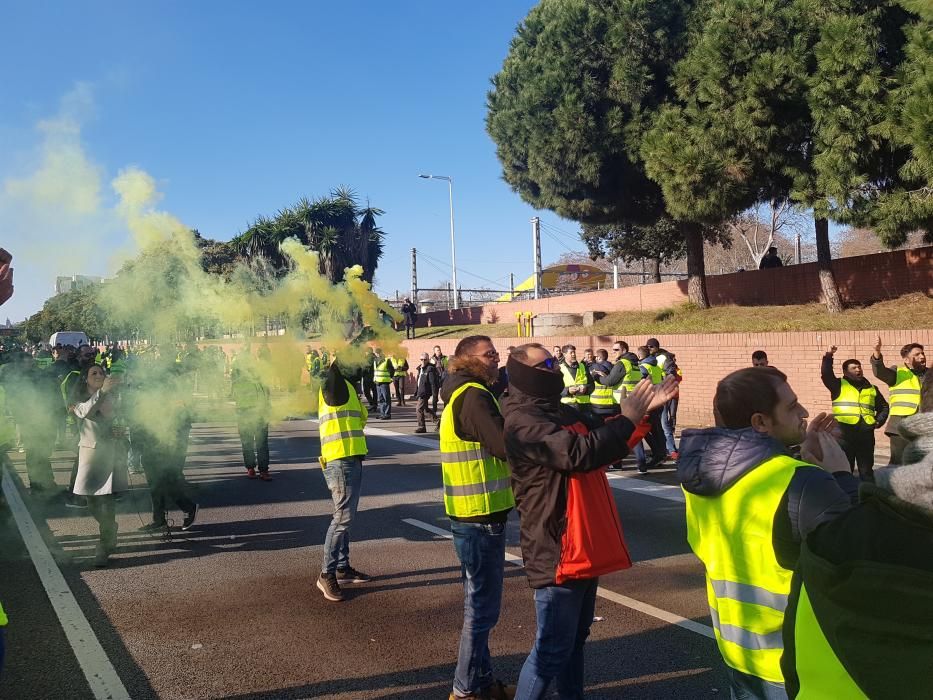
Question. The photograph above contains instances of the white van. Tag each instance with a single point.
(75, 338)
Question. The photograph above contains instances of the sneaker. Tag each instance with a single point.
(674, 456)
(101, 556)
(73, 501)
(642, 469)
(152, 527)
(189, 518)
(327, 584)
(420, 429)
(351, 575)
(265, 475)
(250, 473)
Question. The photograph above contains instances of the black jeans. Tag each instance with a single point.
(399, 383)
(858, 442)
(164, 467)
(254, 439)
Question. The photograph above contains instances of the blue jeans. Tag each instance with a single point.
(384, 396)
(564, 614)
(745, 687)
(669, 424)
(481, 551)
(343, 477)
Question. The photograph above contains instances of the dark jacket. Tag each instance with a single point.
(889, 376)
(617, 373)
(544, 447)
(834, 384)
(477, 419)
(411, 313)
(712, 460)
(428, 381)
(869, 578)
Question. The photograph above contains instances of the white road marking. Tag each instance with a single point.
(634, 484)
(392, 435)
(650, 610)
(100, 674)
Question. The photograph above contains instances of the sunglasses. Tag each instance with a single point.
(548, 363)
(489, 354)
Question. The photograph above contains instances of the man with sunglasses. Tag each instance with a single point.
(477, 498)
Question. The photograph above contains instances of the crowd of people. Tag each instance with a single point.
(773, 509)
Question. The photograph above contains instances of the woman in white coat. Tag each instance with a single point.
(101, 454)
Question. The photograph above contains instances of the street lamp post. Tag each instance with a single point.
(453, 247)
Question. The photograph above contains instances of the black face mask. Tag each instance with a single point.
(534, 381)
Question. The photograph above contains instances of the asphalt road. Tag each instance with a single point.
(229, 608)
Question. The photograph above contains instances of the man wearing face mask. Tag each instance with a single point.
(570, 529)
(750, 503)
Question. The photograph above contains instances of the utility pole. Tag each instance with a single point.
(450, 297)
(511, 286)
(615, 274)
(414, 276)
(536, 238)
(797, 255)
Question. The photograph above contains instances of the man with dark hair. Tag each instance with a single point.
(750, 503)
(578, 384)
(383, 370)
(770, 260)
(859, 408)
(477, 499)
(668, 415)
(648, 366)
(570, 529)
(759, 358)
(427, 384)
(410, 311)
(904, 380)
(557, 352)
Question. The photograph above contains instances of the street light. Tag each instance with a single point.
(453, 247)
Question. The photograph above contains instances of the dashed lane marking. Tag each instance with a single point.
(100, 674)
(633, 484)
(631, 603)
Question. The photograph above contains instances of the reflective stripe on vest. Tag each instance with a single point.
(475, 481)
(629, 380)
(746, 587)
(578, 378)
(905, 394)
(341, 427)
(381, 372)
(603, 395)
(853, 404)
(819, 671)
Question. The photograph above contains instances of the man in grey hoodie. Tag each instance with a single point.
(750, 502)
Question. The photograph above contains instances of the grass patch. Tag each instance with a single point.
(909, 312)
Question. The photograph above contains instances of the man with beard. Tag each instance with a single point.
(904, 380)
(477, 499)
(750, 503)
(859, 408)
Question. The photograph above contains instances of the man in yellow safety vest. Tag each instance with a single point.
(383, 369)
(904, 380)
(859, 408)
(578, 385)
(341, 419)
(750, 503)
(477, 498)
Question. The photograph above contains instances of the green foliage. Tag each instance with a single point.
(77, 310)
(662, 241)
(573, 99)
(343, 232)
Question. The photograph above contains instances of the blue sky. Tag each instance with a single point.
(237, 109)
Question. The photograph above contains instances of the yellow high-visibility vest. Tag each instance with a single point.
(381, 372)
(905, 394)
(578, 378)
(3, 617)
(746, 587)
(397, 364)
(341, 427)
(852, 404)
(655, 373)
(475, 481)
(819, 671)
